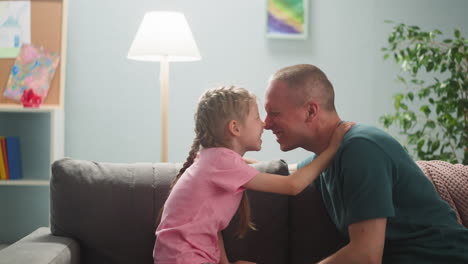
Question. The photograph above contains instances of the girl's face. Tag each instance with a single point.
(252, 129)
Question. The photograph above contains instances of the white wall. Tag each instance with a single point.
(112, 103)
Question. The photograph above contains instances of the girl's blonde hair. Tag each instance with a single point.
(216, 108)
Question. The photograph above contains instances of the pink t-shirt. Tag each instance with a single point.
(201, 204)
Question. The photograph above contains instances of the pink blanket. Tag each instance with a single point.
(451, 182)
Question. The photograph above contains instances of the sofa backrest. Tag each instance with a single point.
(110, 209)
(312, 234)
(269, 243)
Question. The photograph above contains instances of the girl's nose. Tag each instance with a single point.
(266, 123)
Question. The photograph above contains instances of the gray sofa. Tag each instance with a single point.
(105, 213)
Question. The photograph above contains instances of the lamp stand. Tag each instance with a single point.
(164, 94)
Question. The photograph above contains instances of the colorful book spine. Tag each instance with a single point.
(14, 157)
(3, 164)
(4, 157)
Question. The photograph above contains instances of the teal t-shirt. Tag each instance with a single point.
(372, 176)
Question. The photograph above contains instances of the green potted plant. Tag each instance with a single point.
(432, 111)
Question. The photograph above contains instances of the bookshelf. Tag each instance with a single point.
(25, 202)
(50, 123)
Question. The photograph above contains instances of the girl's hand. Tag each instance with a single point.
(338, 134)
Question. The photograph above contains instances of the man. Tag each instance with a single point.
(375, 194)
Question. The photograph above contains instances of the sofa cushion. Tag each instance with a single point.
(269, 243)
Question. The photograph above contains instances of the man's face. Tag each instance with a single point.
(284, 118)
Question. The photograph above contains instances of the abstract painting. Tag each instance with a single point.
(287, 19)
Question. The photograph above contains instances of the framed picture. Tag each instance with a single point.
(287, 19)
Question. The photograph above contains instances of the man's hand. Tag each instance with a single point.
(366, 244)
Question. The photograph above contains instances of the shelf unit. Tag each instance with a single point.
(56, 139)
(25, 202)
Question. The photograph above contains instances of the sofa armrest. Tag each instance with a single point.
(41, 247)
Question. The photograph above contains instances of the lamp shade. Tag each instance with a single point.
(164, 35)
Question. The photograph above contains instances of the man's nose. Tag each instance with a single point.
(267, 123)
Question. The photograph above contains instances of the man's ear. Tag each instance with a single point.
(233, 128)
(312, 109)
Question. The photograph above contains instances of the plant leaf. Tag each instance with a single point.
(426, 110)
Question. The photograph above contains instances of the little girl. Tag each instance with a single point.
(208, 189)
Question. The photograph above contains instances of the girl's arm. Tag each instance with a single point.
(296, 182)
(223, 259)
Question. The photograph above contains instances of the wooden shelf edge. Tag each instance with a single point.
(21, 109)
(24, 182)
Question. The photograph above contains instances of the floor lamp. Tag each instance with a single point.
(164, 36)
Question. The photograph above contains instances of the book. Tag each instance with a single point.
(14, 157)
(33, 69)
(3, 175)
(5, 156)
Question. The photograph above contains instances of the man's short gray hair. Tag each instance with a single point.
(307, 82)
